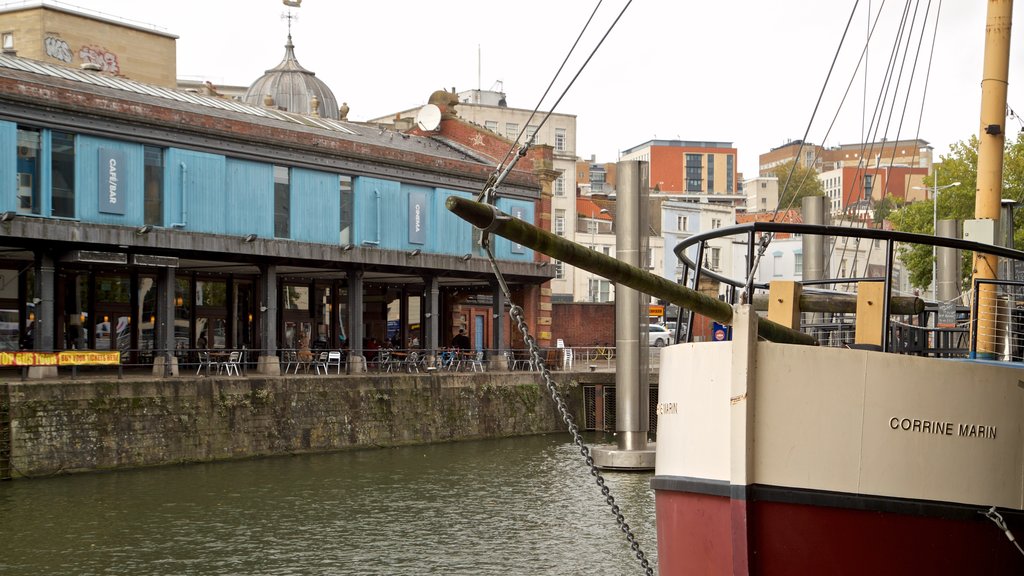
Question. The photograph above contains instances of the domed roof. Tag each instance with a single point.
(291, 87)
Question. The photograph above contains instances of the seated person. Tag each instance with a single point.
(461, 341)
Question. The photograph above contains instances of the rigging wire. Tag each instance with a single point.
(516, 312)
(540, 101)
(522, 151)
(899, 128)
(892, 160)
(867, 148)
(766, 239)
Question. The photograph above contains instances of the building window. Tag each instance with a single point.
(681, 223)
(560, 222)
(511, 130)
(694, 177)
(714, 258)
(599, 290)
(716, 223)
(798, 264)
(29, 156)
(592, 226)
(711, 174)
(559, 269)
(8, 41)
(559, 139)
(153, 182)
(728, 174)
(764, 184)
(529, 132)
(282, 203)
(560, 186)
(62, 174)
(777, 265)
(491, 125)
(347, 210)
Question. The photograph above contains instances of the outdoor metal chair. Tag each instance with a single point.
(412, 362)
(321, 362)
(477, 363)
(333, 359)
(204, 362)
(231, 364)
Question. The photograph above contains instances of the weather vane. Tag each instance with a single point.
(289, 16)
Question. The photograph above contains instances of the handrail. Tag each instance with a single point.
(828, 230)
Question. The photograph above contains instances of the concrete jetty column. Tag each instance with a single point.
(632, 404)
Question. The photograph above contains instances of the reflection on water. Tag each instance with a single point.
(520, 506)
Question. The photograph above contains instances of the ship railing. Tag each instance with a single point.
(938, 329)
(1003, 308)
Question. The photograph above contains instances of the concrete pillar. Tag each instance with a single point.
(165, 363)
(355, 321)
(815, 211)
(431, 314)
(268, 362)
(46, 323)
(949, 263)
(498, 323)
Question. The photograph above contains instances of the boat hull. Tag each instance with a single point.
(779, 531)
(779, 459)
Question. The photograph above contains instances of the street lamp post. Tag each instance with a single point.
(935, 225)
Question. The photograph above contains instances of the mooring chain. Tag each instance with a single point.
(517, 315)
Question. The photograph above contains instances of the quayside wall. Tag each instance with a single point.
(81, 426)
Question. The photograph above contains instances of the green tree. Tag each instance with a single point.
(803, 182)
(957, 202)
(884, 207)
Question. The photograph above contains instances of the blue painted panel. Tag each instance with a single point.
(316, 206)
(194, 191)
(249, 188)
(524, 210)
(8, 165)
(371, 197)
(456, 237)
(87, 181)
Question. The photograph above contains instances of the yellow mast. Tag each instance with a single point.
(992, 139)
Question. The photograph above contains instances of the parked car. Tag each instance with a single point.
(658, 335)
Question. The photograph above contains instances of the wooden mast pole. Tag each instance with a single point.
(991, 144)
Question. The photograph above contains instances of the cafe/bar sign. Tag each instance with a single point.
(112, 178)
(417, 217)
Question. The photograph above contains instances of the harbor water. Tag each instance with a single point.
(520, 506)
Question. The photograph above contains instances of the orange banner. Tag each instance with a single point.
(66, 358)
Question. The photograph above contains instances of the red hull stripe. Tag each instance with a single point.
(703, 534)
(844, 500)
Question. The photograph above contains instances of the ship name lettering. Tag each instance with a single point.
(943, 428)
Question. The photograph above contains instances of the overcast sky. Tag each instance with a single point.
(743, 71)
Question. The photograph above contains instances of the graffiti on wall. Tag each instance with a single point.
(57, 48)
(101, 56)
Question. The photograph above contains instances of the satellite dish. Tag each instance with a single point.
(428, 118)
